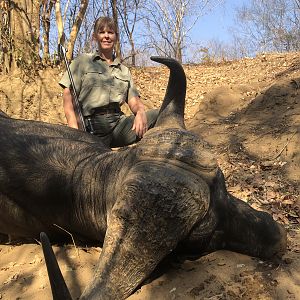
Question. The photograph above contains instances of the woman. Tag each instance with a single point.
(103, 84)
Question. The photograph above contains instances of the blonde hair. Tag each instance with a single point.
(105, 22)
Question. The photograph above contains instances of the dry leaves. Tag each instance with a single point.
(264, 189)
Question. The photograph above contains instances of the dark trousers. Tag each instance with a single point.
(115, 130)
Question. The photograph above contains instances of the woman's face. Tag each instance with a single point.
(106, 39)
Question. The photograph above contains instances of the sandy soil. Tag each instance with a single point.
(249, 112)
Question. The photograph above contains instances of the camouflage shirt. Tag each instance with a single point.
(98, 83)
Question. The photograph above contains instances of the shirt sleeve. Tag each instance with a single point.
(75, 68)
(132, 90)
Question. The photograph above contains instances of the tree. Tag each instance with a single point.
(60, 22)
(168, 23)
(5, 37)
(95, 9)
(76, 27)
(20, 24)
(129, 15)
(115, 16)
(75, 24)
(270, 25)
(46, 10)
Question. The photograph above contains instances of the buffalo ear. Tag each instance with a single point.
(58, 286)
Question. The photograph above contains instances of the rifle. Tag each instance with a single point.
(75, 101)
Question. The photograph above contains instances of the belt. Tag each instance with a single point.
(105, 110)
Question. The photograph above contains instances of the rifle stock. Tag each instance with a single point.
(75, 101)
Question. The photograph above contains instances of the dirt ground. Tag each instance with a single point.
(249, 112)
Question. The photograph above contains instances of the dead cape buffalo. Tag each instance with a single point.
(165, 194)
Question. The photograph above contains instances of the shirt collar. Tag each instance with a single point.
(116, 61)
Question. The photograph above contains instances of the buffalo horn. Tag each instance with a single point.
(58, 286)
(172, 110)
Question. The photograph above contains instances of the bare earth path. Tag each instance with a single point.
(249, 112)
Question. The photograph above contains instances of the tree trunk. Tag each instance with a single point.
(59, 24)
(24, 26)
(5, 37)
(46, 12)
(133, 54)
(76, 28)
(20, 25)
(178, 54)
(115, 17)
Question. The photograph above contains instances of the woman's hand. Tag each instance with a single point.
(140, 121)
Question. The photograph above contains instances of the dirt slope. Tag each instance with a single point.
(248, 111)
